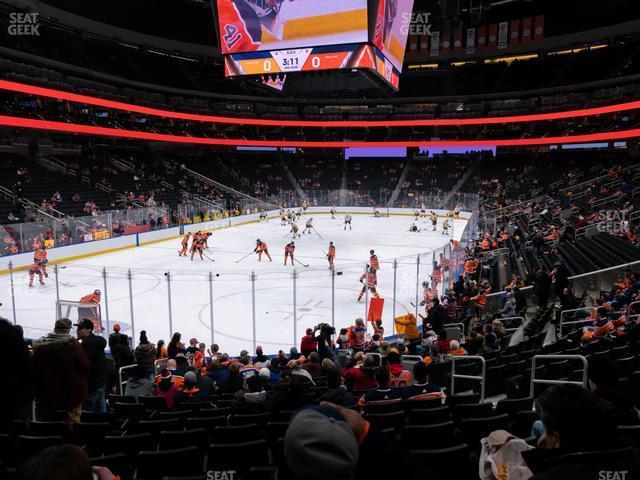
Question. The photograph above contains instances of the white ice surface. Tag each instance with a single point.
(232, 289)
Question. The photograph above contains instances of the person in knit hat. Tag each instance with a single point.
(329, 441)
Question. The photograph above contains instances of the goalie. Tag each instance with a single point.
(91, 312)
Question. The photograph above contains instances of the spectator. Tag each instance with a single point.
(436, 316)
(384, 390)
(542, 287)
(68, 462)
(166, 387)
(234, 381)
(421, 384)
(139, 384)
(60, 366)
(308, 343)
(94, 347)
(399, 377)
(455, 349)
(175, 346)
(145, 354)
(313, 365)
(330, 441)
(161, 350)
(16, 384)
(509, 308)
(571, 447)
(114, 338)
(325, 341)
(361, 376)
(217, 372)
(603, 381)
(190, 391)
(261, 359)
(475, 343)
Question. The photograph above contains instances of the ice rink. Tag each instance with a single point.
(187, 309)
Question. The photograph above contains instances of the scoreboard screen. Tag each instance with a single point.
(391, 29)
(261, 37)
(259, 25)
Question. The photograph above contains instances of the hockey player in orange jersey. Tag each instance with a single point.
(331, 255)
(369, 280)
(261, 247)
(289, 250)
(196, 245)
(40, 257)
(185, 245)
(33, 270)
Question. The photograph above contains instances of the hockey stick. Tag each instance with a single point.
(238, 261)
(317, 233)
(300, 262)
(208, 257)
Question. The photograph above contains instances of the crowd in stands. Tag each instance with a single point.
(344, 398)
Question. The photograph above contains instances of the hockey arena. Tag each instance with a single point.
(320, 240)
(171, 293)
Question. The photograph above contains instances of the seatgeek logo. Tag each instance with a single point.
(416, 23)
(24, 24)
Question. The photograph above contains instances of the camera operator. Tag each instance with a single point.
(325, 341)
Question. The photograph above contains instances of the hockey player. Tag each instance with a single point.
(283, 217)
(185, 244)
(308, 226)
(374, 264)
(262, 216)
(289, 216)
(261, 247)
(205, 239)
(289, 250)
(347, 221)
(333, 212)
(196, 245)
(305, 205)
(414, 228)
(423, 210)
(445, 227)
(294, 229)
(434, 221)
(376, 213)
(369, 281)
(91, 313)
(331, 255)
(417, 214)
(33, 270)
(40, 257)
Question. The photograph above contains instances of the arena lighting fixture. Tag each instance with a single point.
(128, 107)
(21, 122)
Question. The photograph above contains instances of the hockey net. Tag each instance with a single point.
(76, 311)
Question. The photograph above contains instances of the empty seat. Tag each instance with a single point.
(477, 410)
(275, 430)
(208, 423)
(450, 463)
(121, 399)
(429, 416)
(91, 435)
(250, 418)
(384, 406)
(235, 434)
(184, 438)
(154, 427)
(513, 405)
(157, 465)
(48, 428)
(429, 436)
(130, 445)
(27, 446)
(234, 455)
(382, 421)
(458, 399)
(153, 403)
(422, 403)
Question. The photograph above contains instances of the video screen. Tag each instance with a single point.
(392, 24)
(259, 25)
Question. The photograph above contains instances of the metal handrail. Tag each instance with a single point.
(539, 381)
(512, 329)
(120, 382)
(481, 379)
(574, 310)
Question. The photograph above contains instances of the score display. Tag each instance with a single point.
(312, 59)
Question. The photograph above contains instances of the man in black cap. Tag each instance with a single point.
(94, 346)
